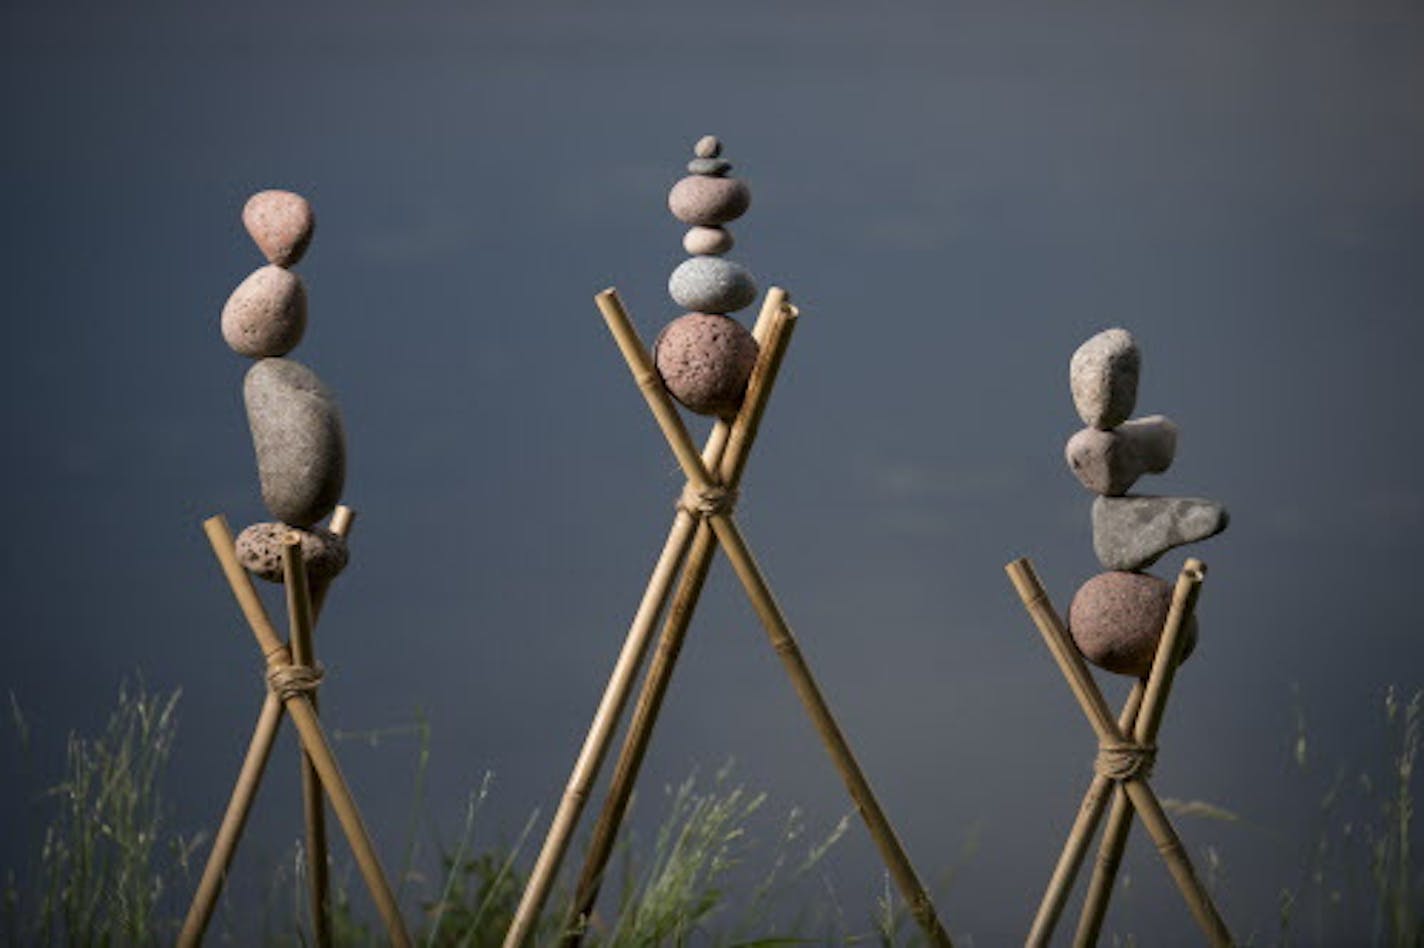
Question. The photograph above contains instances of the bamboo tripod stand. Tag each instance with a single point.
(703, 522)
(292, 677)
(1126, 749)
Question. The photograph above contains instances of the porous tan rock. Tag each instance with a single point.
(707, 201)
(1116, 621)
(705, 361)
(281, 223)
(259, 550)
(266, 315)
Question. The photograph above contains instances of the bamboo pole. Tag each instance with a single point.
(773, 332)
(299, 623)
(1144, 731)
(1089, 815)
(309, 729)
(610, 709)
(1144, 801)
(772, 619)
(244, 792)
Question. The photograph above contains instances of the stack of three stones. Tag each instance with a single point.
(1116, 617)
(295, 422)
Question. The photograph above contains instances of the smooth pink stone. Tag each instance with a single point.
(281, 223)
(707, 201)
(1116, 621)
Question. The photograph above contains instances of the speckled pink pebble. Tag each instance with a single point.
(281, 223)
(706, 201)
(266, 315)
(1116, 620)
(707, 240)
(706, 361)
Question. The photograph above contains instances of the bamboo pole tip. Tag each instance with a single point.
(606, 294)
(1195, 569)
(215, 522)
(341, 520)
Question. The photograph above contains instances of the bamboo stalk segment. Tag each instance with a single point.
(299, 621)
(244, 792)
(773, 331)
(1090, 813)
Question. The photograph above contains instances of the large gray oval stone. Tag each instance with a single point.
(1103, 377)
(711, 285)
(1130, 533)
(296, 432)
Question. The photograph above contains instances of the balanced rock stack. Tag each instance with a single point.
(1116, 617)
(295, 422)
(705, 357)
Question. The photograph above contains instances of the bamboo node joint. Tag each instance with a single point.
(289, 681)
(1125, 760)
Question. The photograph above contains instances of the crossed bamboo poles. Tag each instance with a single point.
(1126, 748)
(292, 676)
(703, 522)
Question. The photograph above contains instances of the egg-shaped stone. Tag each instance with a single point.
(266, 315)
(281, 223)
(298, 439)
(707, 241)
(1103, 377)
(707, 201)
(705, 361)
(259, 550)
(708, 146)
(711, 285)
(1116, 621)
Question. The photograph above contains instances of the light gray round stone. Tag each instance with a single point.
(708, 146)
(297, 435)
(267, 314)
(715, 167)
(1131, 533)
(707, 241)
(711, 285)
(259, 550)
(1103, 377)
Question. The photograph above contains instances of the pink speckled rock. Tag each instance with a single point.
(1116, 621)
(705, 361)
(266, 315)
(281, 223)
(259, 550)
(703, 241)
(706, 201)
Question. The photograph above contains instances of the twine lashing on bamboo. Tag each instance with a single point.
(710, 501)
(1125, 760)
(289, 681)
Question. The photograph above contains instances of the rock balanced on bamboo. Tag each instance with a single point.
(1117, 616)
(295, 422)
(705, 357)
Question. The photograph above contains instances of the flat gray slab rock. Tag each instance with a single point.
(1130, 533)
(296, 432)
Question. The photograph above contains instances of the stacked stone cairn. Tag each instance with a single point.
(705, 357)
(1116, 618)
(295, 422)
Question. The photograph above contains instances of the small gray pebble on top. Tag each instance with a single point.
(708, 146)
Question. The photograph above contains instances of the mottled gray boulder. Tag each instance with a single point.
(259, 550)
(281, 223)
(1131, 533)
(1110, 462)
(705, 361)
(711, 285)
(1103, 377)
(266, 315)
(296, 432)
(1116, 621)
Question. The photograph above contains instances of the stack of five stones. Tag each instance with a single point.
(295, 422)
(1117, 617)
(705, 357)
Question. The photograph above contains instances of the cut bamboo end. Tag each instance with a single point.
(341, 519)
(220, 538)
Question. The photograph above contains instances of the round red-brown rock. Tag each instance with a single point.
(705, 361)
(281, 223)
(266, 315)
(259, 550)
(1116, 621)
(707, 201)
